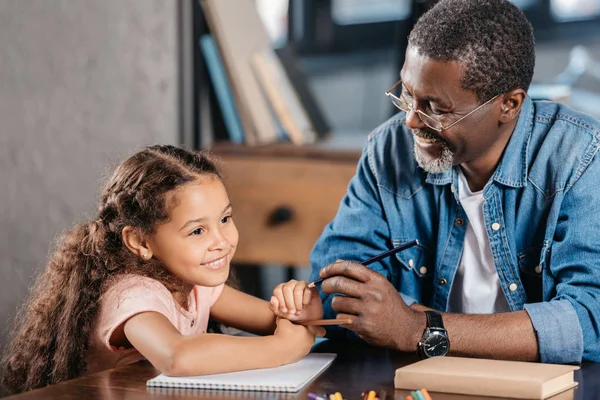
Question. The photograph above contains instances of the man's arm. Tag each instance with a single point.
(381, 317)
(507, 336)
(567, 322)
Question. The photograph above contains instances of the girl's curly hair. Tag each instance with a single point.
(49, 341)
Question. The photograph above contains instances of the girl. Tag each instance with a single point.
(141, 280)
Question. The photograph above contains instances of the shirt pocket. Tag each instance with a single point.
(416, 259)
(530, 262)
(531, 266)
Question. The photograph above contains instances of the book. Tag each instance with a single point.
(473, 376)
(239, 32)
(287, 378)
(282, 97)
(300, 81)
(222, 89)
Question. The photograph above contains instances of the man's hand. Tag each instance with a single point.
(378, 313)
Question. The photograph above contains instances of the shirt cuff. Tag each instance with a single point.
(407, 299)
(559, 334)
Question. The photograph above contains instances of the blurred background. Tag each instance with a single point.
(84, 83)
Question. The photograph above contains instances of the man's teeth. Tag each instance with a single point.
(422, 139)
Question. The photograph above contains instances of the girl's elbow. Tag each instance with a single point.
(174, 365)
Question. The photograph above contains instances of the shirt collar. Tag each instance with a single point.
(512, 170)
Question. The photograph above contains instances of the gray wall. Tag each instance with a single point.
(82, 83)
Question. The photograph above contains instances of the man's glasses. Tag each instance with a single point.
(428, 120)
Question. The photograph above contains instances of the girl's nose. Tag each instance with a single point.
(219, 240)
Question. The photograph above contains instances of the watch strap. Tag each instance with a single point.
(434, 320)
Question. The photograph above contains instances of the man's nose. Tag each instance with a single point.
(413, 119)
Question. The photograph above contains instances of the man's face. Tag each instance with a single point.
(433, 87)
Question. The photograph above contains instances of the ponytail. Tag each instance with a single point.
(50, 340)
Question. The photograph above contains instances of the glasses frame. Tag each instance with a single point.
(424, 117)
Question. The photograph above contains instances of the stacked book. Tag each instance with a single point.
(262, 92)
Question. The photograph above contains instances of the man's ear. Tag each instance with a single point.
(511, 105)
(136, 243)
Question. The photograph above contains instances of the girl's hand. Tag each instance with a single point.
(296, 339)
(293, 300)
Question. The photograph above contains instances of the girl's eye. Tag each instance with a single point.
(197, 231)
(226, 219)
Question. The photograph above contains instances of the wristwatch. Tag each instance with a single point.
(435, 341)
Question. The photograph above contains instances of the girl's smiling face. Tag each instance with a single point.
(200, 238)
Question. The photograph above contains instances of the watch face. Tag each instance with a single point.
(436, 344)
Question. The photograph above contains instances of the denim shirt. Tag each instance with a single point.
(541, 213)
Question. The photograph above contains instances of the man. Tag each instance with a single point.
(499, 190)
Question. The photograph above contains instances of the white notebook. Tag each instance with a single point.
(287, 378)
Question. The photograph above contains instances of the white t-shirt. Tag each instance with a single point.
(476, 288)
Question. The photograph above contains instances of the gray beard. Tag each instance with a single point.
(441, 164)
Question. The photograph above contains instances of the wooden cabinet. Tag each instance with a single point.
(282, 197)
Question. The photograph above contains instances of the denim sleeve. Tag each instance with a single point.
(558, 331)
(568, 324)
(358, 231)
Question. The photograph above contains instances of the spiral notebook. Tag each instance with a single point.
(287, 378)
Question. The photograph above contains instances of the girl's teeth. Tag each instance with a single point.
(215, 263)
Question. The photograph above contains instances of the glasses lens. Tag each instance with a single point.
(430, 122)
(427, 120)
(399, 103)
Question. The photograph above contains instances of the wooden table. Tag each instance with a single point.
(357, 368)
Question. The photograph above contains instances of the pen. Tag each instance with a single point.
(339, 321)
(376, 258)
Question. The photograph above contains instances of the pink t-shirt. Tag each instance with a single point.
(133, 294)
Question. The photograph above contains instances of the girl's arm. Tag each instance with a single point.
(243, 311)
(153, 335)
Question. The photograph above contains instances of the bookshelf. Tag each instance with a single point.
(283, 194)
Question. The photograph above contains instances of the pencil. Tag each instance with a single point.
(340, 321)
(378, 257)
(425, 394)
(417, 395)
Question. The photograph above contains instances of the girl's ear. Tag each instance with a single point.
(136, 243)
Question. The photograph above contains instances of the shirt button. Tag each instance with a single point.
(538, 269)
(460, 222)
(411, 263)
(442, 281)
(495, 226)
(423, 270)
(192, 323)
(512, 287)
(452, 188)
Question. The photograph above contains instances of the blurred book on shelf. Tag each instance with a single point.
(220, 83)
(282, 97)
(263, 93)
